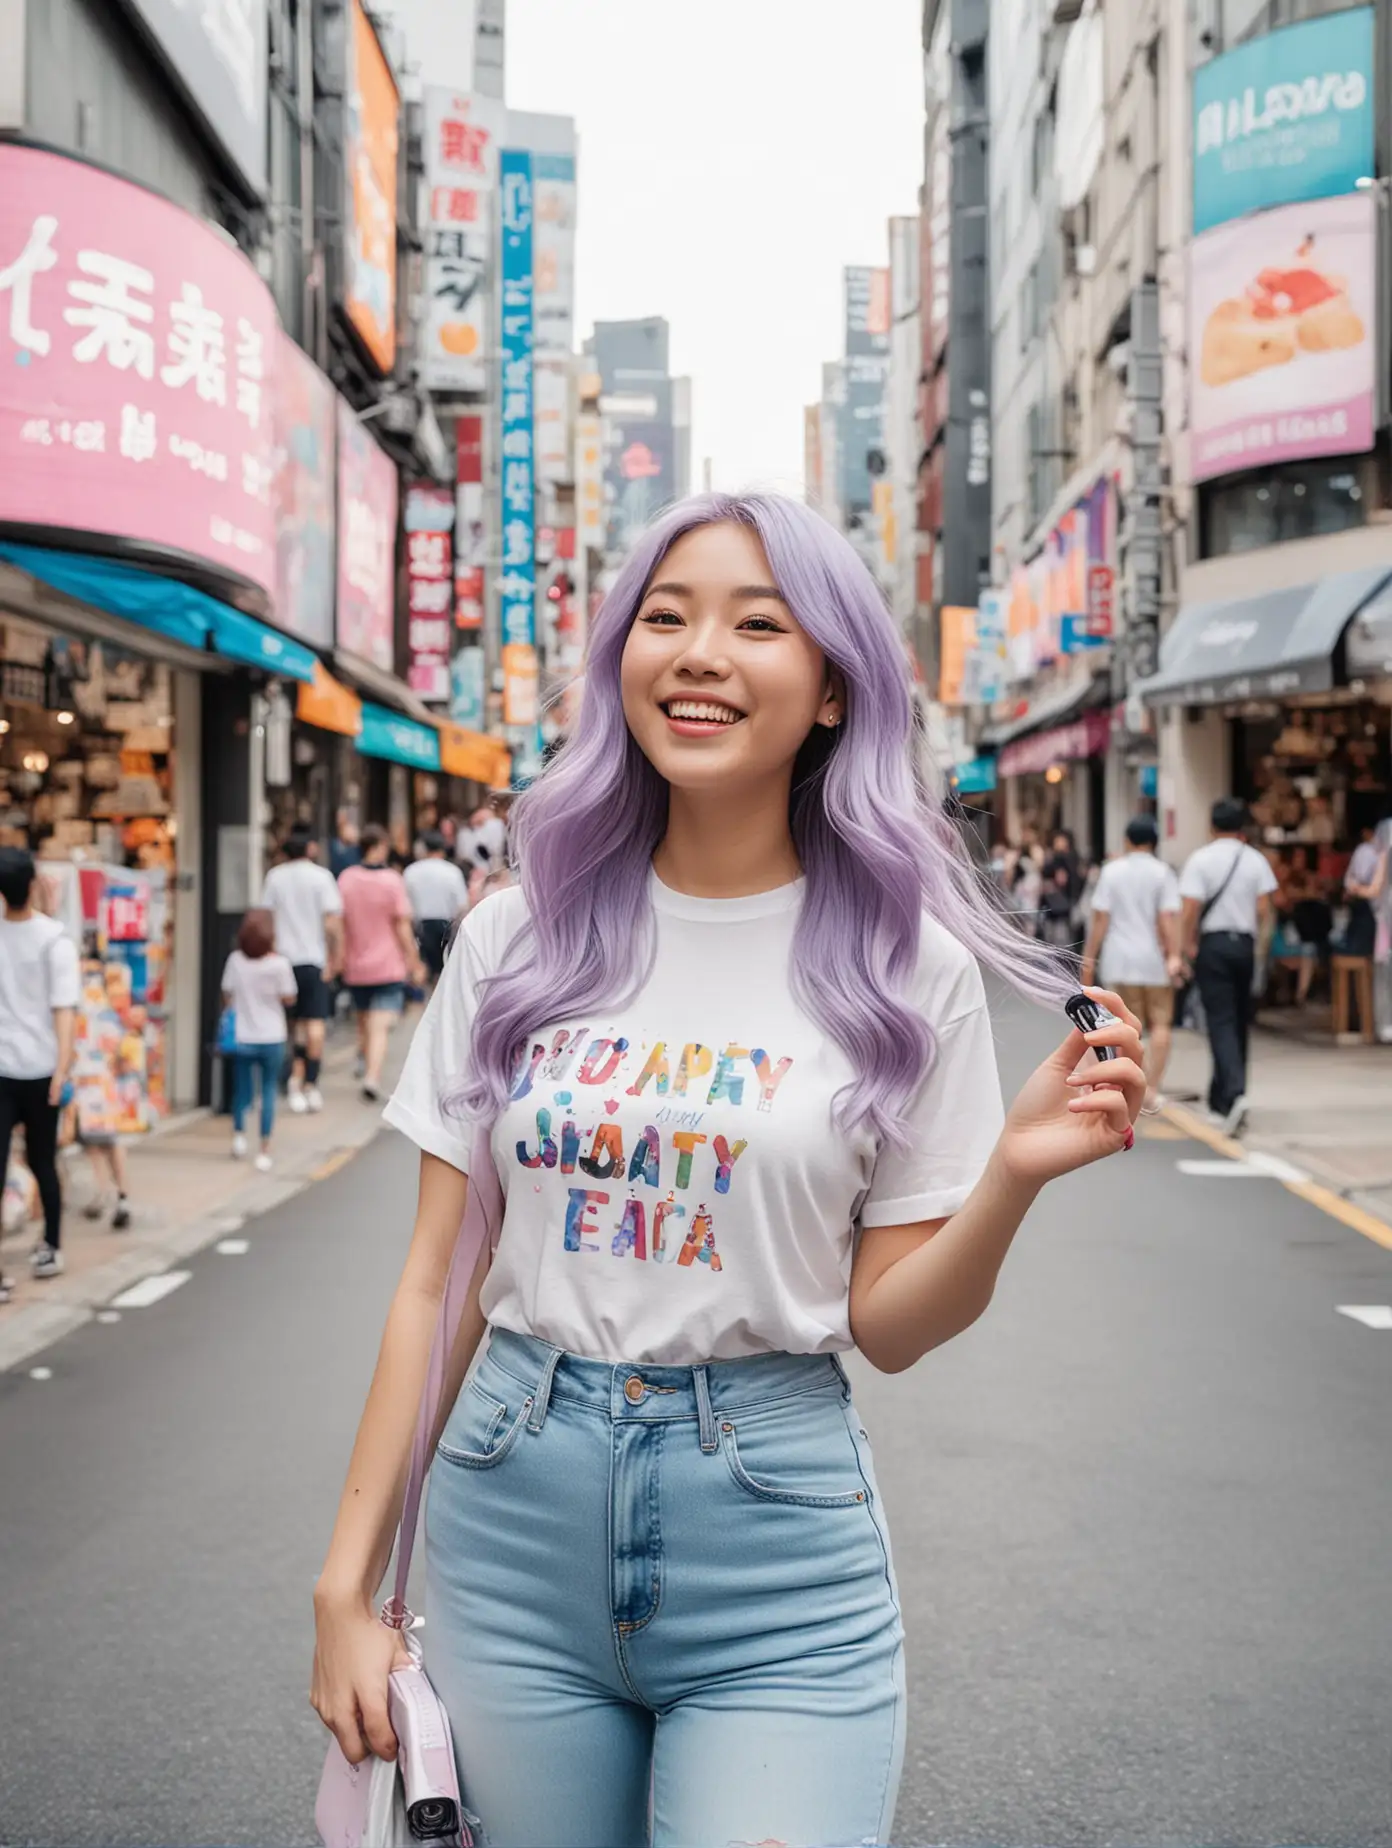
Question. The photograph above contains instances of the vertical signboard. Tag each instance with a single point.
(367, 495)
(429, 523)
(589, 480)
(551, 394)
(470, 524)
(553, 253)
(867, 369)
(217, 51)
(517, 582)
(304, 495)
(462, 134)
(370, 153)
(467, 687)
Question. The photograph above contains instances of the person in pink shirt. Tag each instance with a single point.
(379, 950)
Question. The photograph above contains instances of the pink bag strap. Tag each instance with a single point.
(483, 1216)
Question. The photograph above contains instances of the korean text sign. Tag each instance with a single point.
(367, 492)
(429, 525)
(370, 172)
(1284, 118)
(1281, 336)
(461, 176)
(517, 583)
(305, 412)
(135, 352)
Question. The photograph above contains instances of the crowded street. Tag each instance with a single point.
(1136, 1516)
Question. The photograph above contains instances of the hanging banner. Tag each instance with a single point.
(462, 135)
(470, 525)
(429, 524)
(519, 684)
(367, 493)
(517, 582)
(467, 705)
(990, 653)
(304, 496)
(551, 382)
(369, 172)
(553, 177)
(589, 480)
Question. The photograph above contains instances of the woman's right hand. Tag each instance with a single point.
(354, 1654)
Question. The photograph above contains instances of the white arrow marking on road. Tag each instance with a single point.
(150, 1290)
(1224, 1170)
(108, 1315)
(41, 1373)
(233, 1247)
(1371, 1315)
(1278, 1169)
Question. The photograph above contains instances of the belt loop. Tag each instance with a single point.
(704, 1414)
(842, 1376)
(543, 1392)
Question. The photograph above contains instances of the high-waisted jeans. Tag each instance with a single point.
(660, 1605)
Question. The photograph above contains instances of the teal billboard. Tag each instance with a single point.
(1284, 118)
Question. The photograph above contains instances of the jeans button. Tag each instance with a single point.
(634, 1389)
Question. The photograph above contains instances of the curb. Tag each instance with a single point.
(1348, 1212)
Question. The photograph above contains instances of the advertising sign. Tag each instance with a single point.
(305, 411)
(936, 260)
(551, 390)
(1282, 309)
(429, 525)
(462, 135)
(589, 479)
(135, 347)
(519, 684)
(369, 161)
(1284, 118)
(957, 638)
(517, 582)
(989, 656)
(467, 686)
(217, 51)
(470, 525)
(553, 253)
(366, 543)
(867, 300)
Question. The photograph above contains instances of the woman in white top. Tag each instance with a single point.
(258, 985)
(727, 1047)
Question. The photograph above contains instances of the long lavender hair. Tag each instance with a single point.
(875, 845)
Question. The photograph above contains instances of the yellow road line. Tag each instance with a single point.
(1357, 1218)
(339, 1159)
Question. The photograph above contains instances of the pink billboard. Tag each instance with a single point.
(135, 350)
(367, 492)
(306, 574)
(1281, 339)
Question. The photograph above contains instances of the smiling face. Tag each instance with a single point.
(720, 683)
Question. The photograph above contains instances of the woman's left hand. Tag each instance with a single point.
(1074, 1110)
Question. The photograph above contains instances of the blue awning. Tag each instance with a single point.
(400, 741)
(166, 605)
(242, 638)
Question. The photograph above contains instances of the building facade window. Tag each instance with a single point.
(1297, 500)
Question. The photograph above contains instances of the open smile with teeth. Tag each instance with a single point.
(704, 711)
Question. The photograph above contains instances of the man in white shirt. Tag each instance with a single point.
(1133, 940)
(1226, 887)
(38, 1002)
(303, 898)
(438, 892)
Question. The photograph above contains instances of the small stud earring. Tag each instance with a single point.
(833, 719)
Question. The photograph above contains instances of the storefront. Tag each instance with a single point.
(402, 761)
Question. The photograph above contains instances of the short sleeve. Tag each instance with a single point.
(1169, 892)
(227, 975)
(1266, 879)
(1102, 891)
(1191, 883)
(332, 897)
(403, 898)
(435, 1065)
(64, 978)
(288, 989)
(957, 1115)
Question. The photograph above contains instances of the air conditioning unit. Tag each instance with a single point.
(1085, 260)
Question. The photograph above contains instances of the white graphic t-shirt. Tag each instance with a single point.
(676, 1187)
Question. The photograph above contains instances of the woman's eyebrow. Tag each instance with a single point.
(763, 593)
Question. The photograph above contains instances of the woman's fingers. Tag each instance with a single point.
(1105, 1103)
(349, 1734)
(376, 1724)
(1114, 1005)
(1123, 1075)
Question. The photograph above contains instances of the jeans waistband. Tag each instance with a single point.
(636, 1391)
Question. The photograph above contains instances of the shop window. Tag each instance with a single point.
(1298, 500)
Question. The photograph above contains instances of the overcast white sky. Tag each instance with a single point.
(734, 154)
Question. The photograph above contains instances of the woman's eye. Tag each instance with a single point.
(660, 618)
(763, 624)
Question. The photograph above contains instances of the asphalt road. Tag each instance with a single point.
(1142, 1513)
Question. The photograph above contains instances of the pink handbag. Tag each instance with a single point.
(415, 1797)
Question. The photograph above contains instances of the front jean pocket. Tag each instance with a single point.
(481, 1429)
(783, 1466)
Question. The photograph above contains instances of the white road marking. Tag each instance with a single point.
(41, 1373)
(150, 1290)
(1224, 1170)
(1371, 1315)
(233, 1247)
(234, 1223)
(1278, 1169)
(108, 1315)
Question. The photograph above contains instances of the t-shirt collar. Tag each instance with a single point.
(724, 910)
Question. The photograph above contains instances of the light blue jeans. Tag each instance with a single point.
(660, 1605)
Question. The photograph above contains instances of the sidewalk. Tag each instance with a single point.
(1325, 1109)
(186, 1191)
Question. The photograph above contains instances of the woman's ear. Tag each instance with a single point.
(833, 709)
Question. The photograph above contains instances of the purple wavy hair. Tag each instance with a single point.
(876, 847)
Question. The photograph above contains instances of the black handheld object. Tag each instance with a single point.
(1087, 1016)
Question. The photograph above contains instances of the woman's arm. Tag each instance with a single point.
(914, 1287)
(370, 1506)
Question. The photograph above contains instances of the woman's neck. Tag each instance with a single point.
(719, 845)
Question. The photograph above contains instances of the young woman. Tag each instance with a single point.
(728, 1046)
(258, 985)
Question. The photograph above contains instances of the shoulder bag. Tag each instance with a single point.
(1188, 1005)
(413, 1798)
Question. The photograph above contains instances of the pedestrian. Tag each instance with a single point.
(1133, 942)
(727, 1044)
(438, 892)
(304, 901)
(379, 950)
(38, 1010)
(106, 1157)
(1360, 889)
(1226, 887)
(258, 984)
(1380, 898)
(344, 849)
